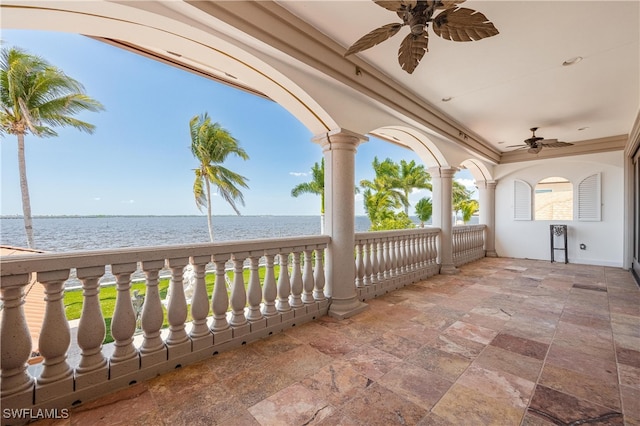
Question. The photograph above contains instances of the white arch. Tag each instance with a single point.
(430, 154)
(166, 27)
(478, 170)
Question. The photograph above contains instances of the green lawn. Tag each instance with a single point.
(73, 298)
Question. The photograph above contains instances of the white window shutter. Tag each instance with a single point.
(521, 200)
(589, 199)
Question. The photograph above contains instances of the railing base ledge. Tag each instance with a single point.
(342, 309)
(19, 400)
(449, 270)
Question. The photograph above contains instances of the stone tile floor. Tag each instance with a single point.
(504, 342)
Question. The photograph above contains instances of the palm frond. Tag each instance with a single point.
(211, 145)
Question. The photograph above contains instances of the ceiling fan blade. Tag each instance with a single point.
(463, 25)
(374, 37)
(448, 4)
(553, 143)
(412, 49)
(517, 146)
(396, 6)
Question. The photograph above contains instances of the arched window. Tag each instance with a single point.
(554, 199)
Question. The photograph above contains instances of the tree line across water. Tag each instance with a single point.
(36, 97)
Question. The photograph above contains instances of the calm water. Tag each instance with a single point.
(62, 234)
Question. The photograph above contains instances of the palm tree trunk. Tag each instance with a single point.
(209, 221)
(24, 189)
(406, 207)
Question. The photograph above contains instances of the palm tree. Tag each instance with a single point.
(412, 176)
(211, 144)
(316, 187)
(468, 208)
(462, 201)
(424, 210)
(35, 97)
(382, 195)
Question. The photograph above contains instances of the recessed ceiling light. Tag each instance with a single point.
(446, 99)
(583, 128)
(572, 61)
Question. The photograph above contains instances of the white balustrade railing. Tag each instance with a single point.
(250, 311)
(238, 311)
(387, 260)
(468, 243)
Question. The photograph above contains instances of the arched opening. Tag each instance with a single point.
(553, 199)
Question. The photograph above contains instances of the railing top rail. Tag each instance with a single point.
(395, 233)
(463, 228)
(39, 262)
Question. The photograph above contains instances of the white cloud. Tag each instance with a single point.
(468, 183)
(127, 202)
(298, 173)
(96, 198)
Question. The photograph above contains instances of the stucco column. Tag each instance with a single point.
(441, 180)
(487, 199)
(339, 148)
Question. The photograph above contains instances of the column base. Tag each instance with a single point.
(449, 270)
(345, 308)
(491, 253)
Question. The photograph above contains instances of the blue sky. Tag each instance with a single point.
(138, 160)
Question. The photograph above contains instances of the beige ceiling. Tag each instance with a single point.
(502, 86)
(499, 87)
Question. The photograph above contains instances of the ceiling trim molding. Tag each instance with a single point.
(633, 144)
(289, 34)
(592, 146)
(166, 59)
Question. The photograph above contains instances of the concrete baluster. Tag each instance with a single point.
(269, 291)
(91, 331)
(381, 262)
(152, 314)
(318, 276)
(374, 262)
(123, 324)
(238, 292)
(15, 345)
(178, 342)
(254, 290)
(359, 265)
(307, 277)
(152, 350)
(366, 254)
(57, 376)
(296, 282)
(200, 304)
(387, 260)
(284, 283)
(220, 298)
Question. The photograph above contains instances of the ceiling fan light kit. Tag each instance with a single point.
(451, 23)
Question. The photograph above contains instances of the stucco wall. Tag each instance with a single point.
(530, 239)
